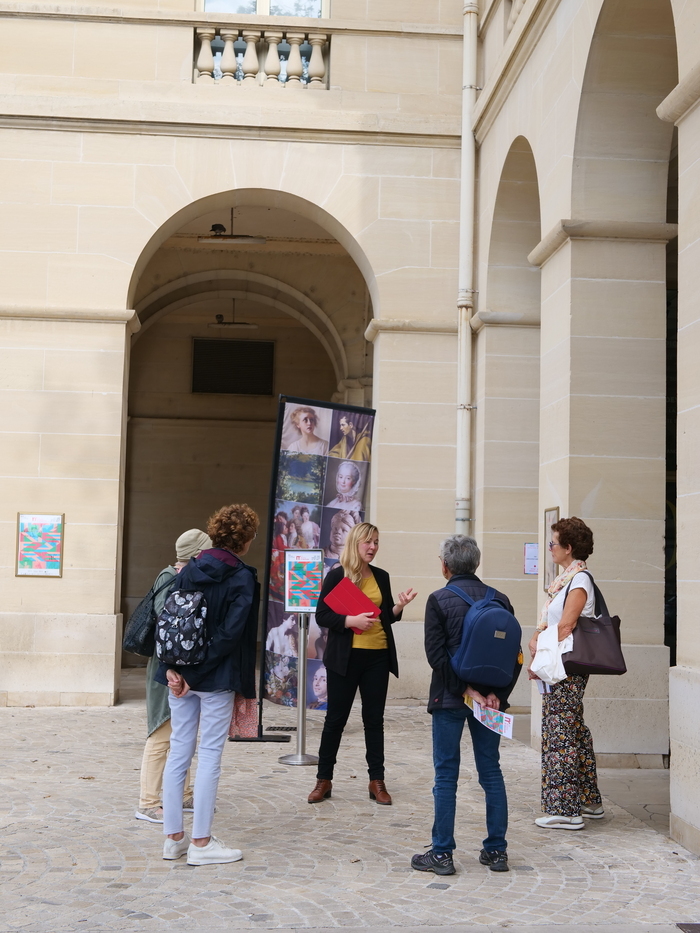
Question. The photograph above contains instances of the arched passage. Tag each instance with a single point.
(507, 388)
(513, 285)
(191, 449)
(603, 361)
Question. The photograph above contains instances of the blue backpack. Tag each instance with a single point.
(490, 642)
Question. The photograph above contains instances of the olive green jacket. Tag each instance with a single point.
(157, 706)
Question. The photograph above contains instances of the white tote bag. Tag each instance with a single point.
(547, 663)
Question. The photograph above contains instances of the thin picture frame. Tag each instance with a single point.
(39, 544)
(303, 577)
(551, 517)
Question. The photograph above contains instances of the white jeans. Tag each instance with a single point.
(211, 714)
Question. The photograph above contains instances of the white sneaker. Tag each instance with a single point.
(592, 813)
(173, 848)
(213, 853)
(560, 822)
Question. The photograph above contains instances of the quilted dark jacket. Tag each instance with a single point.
(232, 593)
(444, 619)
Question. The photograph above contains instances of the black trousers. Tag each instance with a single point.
(369, 670)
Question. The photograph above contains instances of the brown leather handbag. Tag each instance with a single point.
(597, 648)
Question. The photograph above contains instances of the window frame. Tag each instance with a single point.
(263, 9)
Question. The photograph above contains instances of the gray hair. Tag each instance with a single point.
(460, 553)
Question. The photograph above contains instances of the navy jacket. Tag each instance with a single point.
(444, 619)
(232, 593)
(336, 657)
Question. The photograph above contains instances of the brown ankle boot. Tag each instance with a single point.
(378, 792)
(322, 791)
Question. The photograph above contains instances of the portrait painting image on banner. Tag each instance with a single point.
(320, 488)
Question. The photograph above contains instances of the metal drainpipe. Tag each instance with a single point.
(465, 298)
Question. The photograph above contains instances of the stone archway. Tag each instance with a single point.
(603, 388)
(507, 388)
(189, 451)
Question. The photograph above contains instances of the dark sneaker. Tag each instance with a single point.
(431, 861)
(497, 861)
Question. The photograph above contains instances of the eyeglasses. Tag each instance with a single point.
(553, 544)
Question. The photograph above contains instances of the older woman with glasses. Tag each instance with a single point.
(569, 780)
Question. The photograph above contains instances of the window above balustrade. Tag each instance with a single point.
(314, 9)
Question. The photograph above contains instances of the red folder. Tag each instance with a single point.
(348, 600)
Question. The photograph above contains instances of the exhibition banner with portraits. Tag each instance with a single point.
(320, 484)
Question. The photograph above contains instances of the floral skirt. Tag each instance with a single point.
(569, 776)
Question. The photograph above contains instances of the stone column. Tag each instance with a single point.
(63, 421)
(602, 451)
(506, 462)
(413, 469)
(680, 108)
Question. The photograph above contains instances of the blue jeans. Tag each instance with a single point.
(448, 725)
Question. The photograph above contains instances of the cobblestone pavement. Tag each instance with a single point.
(73, 858)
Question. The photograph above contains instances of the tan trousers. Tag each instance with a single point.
(155, 754)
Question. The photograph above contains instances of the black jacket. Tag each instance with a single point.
(444, 618)
(232, 593)
(336, 657)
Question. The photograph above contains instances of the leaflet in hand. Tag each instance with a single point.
(493, 719)
(348, 600)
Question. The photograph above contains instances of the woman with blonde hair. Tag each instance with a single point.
(361, 658)
(305, 420)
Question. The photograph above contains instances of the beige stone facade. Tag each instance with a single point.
(129, 132)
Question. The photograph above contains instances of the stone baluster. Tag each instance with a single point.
(317, 65)
(251, 66)
(295, 68)
(229, 64)
(272, 61)
(205, 59)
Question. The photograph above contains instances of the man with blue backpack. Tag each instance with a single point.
(472, 642)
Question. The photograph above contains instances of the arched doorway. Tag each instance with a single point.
(507, 391)
(203, 392)
(604, 330)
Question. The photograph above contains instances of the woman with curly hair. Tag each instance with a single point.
(202, 695)
(569, 779)
(305, 420)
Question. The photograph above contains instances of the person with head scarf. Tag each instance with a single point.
(155, 754)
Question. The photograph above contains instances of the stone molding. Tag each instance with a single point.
(685, 833)
(228, 131)
(155, 17)
(520, 44)
(502, 318)
(392, 325)
(83, 315)
(599, 230)
(682, 99)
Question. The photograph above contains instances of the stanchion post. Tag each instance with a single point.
(300, 757)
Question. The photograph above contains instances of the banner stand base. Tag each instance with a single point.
(298, 759)
(261, 738)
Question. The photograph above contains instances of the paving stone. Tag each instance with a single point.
(72, 857)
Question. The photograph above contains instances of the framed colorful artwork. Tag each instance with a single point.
(551, 517)
(39, 545)
(303, 576)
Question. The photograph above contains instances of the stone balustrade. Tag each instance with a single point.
(515, 12)
(275, 58)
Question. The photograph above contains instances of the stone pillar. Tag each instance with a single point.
(62, 430)
(602, 452)
(506, 464)
(413, 470)
(685, 677)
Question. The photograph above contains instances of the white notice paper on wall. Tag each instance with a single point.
(532, 559)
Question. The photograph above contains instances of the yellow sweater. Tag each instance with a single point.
(376, 636)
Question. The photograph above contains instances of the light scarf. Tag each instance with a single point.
(564, 578)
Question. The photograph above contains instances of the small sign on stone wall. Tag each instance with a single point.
(39, 545)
